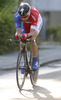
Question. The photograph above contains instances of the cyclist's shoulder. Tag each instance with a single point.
(34, 11)
(34, 14)
(17, 17)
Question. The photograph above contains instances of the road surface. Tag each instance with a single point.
(48, 86)
(46, 53)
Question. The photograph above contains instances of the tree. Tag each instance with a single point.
(19, 1)
(7, 26)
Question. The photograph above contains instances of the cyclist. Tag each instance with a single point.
(31, 26)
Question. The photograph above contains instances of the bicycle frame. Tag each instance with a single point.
(28, 70)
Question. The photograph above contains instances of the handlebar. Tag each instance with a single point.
(24, 41)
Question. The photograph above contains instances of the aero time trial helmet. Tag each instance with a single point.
(24, 9)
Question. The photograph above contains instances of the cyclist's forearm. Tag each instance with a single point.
(32, 33)
(18, 30)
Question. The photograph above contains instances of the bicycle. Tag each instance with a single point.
(27, 69)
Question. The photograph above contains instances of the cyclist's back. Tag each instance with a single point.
(31, 22)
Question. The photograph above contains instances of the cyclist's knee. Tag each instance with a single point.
(34, 36)
(34, 40)
(33, 43)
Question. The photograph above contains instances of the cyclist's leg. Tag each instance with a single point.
(34, 45)
(34, 49)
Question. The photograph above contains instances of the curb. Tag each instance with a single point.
(11, 68)
(43, 64)
(55, 60)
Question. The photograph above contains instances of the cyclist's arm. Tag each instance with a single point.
(17, 23)
(32, 33)
(18, 30)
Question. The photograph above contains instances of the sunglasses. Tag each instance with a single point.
(24, 16)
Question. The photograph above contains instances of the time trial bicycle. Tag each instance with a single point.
(22, 72)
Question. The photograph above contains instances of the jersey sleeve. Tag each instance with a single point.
(17, 20)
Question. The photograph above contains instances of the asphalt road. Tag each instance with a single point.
(48, 86)
(47, 53)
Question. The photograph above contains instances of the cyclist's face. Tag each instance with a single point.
(24, 18)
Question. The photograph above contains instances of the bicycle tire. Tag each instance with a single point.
(20, 77)
(34, 73)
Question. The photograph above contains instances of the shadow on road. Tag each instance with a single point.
(38, 93)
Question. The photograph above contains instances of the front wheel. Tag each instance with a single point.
(20, 70)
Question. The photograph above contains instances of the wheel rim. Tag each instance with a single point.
(19, 75)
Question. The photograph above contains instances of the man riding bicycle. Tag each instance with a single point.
(31, 26)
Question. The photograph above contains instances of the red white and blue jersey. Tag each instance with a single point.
(32, 21)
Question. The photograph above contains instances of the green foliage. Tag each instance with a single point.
(55, 32)
(4, 4)
(7, 25)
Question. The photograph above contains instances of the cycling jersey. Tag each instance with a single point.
(34, 21)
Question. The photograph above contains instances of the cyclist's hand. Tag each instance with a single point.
(24, 36)
(17, 36)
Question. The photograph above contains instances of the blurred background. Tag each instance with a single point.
(50, 11)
